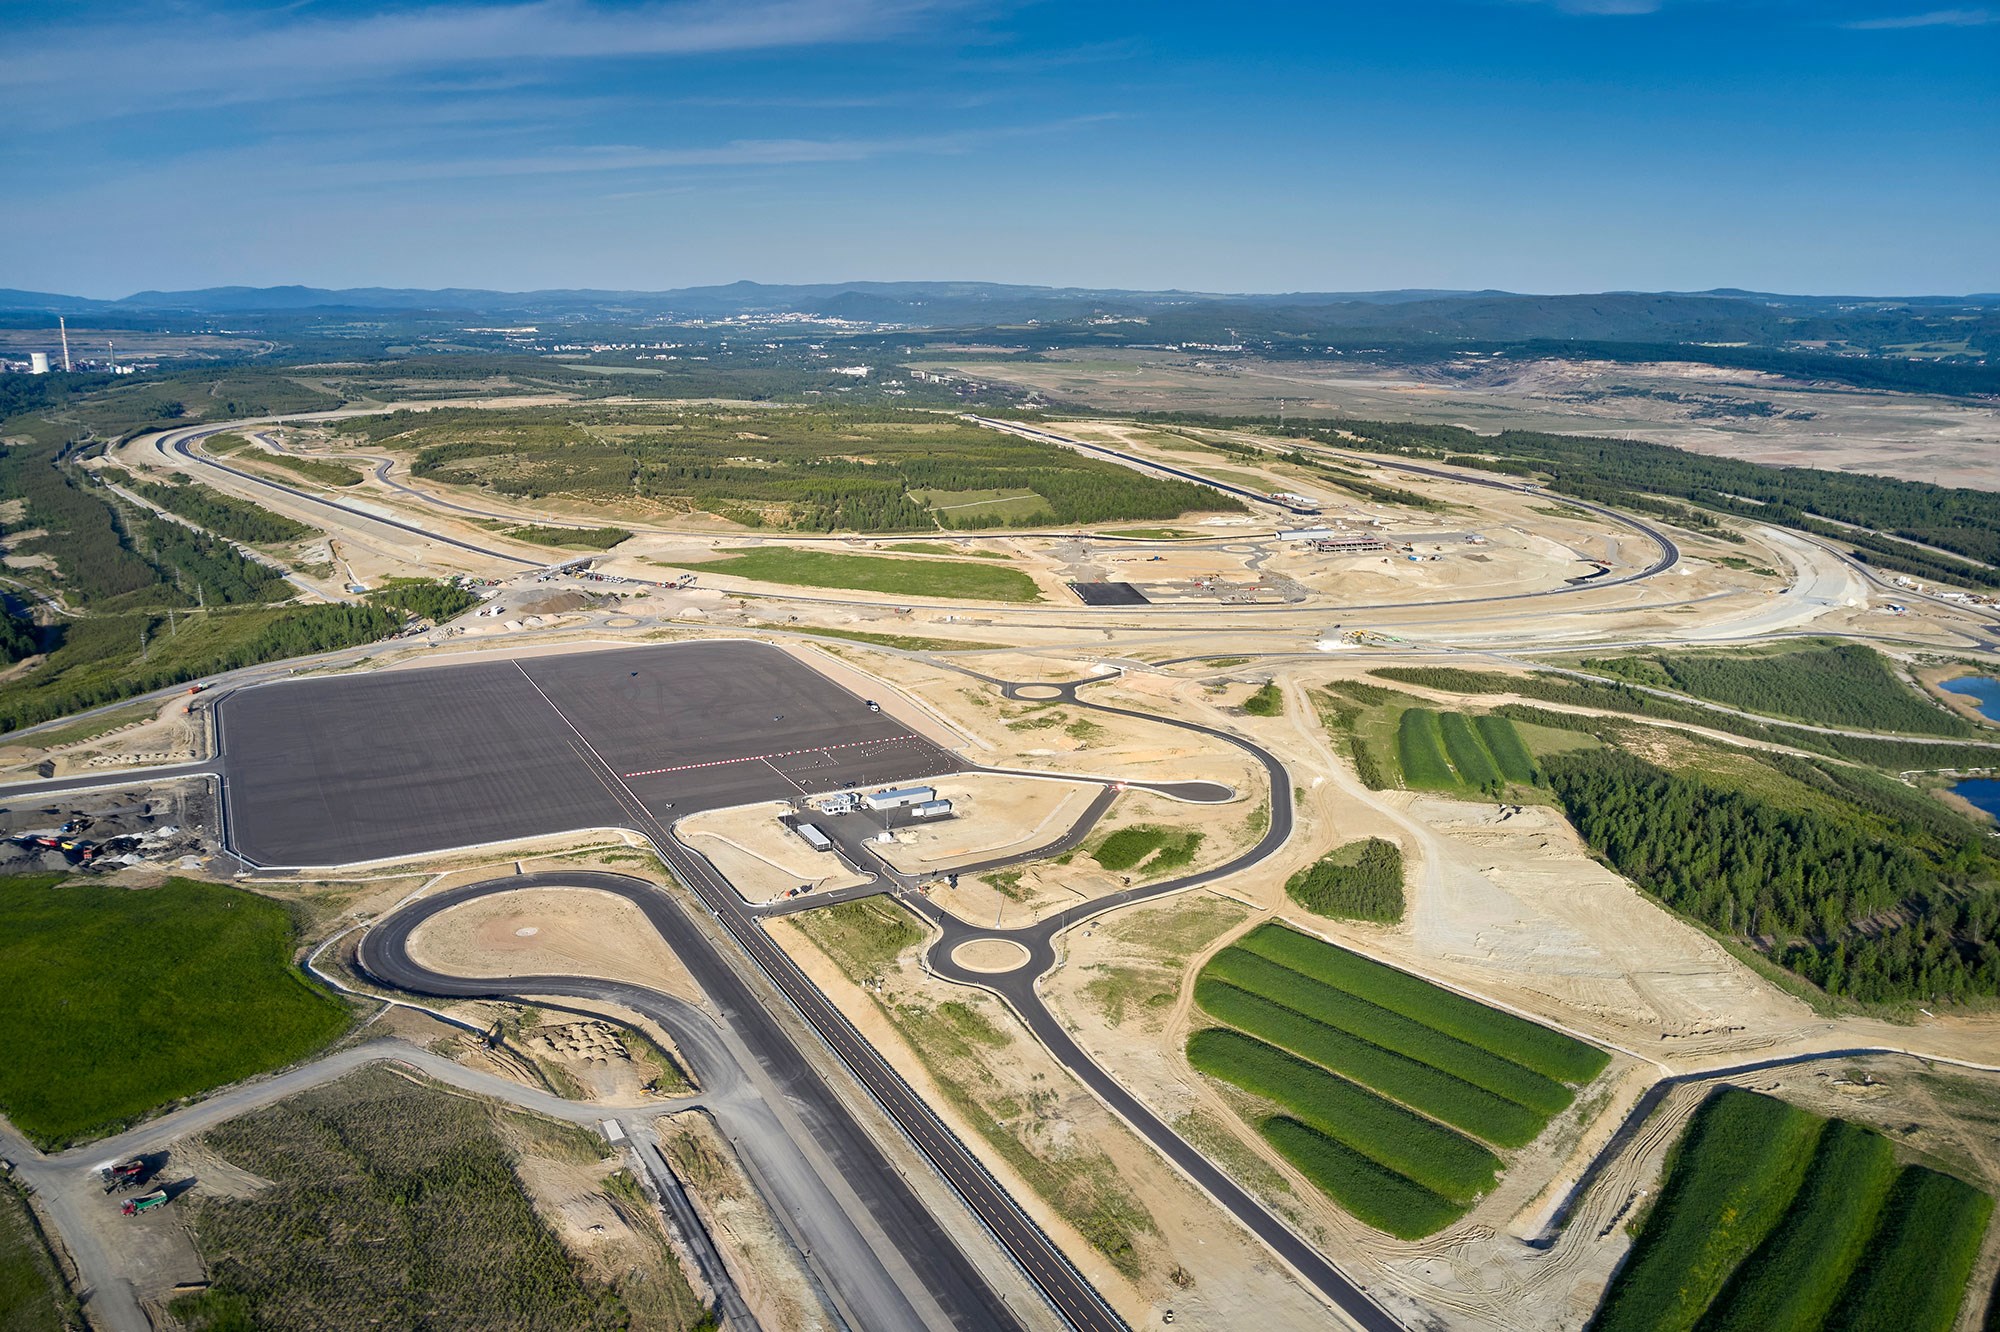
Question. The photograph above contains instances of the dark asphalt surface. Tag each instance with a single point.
(904, 1220)
(335, 770)
(1018, 989)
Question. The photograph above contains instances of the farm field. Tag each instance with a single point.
(870, 573)
(1389, 1093)
(1775, 1219)
(97, 1035)
(32, 1297)
(414, 1201)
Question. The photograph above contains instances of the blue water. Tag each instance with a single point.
(1981, 791)
(1981, 689)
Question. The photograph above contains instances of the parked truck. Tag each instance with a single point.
(157, 1198)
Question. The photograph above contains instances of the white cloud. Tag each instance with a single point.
(273, 54)
(1936, 18)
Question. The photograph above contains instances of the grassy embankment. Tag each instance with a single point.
(793, 567)
(121, 1001)
(396, 1204)
(576, 538)
(957, 1042)
(1387, 1092)
(312, 469)
(33, 1295)
(1771, 1218)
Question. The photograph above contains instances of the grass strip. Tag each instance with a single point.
(1416, 1085)
(1381, 1198)
(1913, 1273)
(1733, 1177)
(870, 573)
(1530, 1044)
(576, 538)
(1793, 1281)
(1420, 751)
(1504, 743)
(1390, 1030)
(313, 469)
(1419, 1149)
(1468, 752)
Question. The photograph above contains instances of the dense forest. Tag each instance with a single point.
(803, 470)
(1833, 684)
(224, 515)
(1856, 914)
(1630, 473)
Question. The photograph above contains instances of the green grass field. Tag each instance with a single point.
(870, 573)
(1420, 751)
(1419, 1149)
(940, 548)
(1509, 751)
(1771, 1218)
(121, 1001)
(1468, 752)
(1392, 1118)
(313, 469)
(1546, 1051)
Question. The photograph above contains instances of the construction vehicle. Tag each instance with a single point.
(134, 1206)
(125, 1175)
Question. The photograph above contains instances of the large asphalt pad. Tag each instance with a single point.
(333, 771)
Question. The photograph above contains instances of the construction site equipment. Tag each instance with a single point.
(134, 1206)
(125, 1175)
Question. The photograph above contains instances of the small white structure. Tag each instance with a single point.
(813, 837)
(899, 798)
(931, 809)
(38, 363)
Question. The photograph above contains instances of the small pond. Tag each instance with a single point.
(1981, 791)
(1983, 690)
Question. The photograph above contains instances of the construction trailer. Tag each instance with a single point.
(900, 798)
(931, 809)
(813, 837)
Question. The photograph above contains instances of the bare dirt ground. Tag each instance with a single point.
(1733, 413)
(765, 1264)
(551, 931)
(990, 816)
(143, 734)
(762, 858)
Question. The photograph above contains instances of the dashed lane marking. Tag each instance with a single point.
(766, 758)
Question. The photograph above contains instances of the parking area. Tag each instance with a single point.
(333, 771)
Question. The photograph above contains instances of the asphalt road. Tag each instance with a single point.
(1019, 989)
(872, 1237)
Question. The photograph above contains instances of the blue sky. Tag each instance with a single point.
(1534, 145)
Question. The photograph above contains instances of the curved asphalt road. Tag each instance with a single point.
(1018, 989)
(836, 1227)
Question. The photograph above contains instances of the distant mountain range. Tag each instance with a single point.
(938, 303)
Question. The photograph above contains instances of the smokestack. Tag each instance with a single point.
(63, 324)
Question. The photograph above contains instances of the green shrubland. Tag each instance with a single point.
(1360, 881)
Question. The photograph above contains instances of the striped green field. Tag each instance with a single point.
(1391, 1115)
(1508, 750)
(1771, 1218)
(1420, 751)
(1468, 752)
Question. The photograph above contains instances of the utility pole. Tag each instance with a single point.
(144, 655)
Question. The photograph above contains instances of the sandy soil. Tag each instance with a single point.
(990, 816)
(174, 732)
(761, 858)
(765, 1265)
(549, 931)
(1692, 406)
